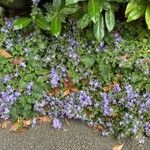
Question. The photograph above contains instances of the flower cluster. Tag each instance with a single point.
(7, 99)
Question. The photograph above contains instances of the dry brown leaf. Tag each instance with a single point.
(118, 147)
(5, 54)
(99, 127)
(54, 91)
(69, 87)
(27, 123)
(45, 119)
(5, 124)
(17, 61)
(107, 88)
(15, 127)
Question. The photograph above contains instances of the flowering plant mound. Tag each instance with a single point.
(73, 76)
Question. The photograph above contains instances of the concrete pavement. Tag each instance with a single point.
(75, 136)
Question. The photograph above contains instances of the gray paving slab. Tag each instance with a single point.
(75, 136)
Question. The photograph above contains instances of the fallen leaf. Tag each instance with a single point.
(118, 147)
(99, 127)
(67, 92)
(17, 61)
(5, 124)
(5, 54)
(108, 88)
(54, 92)
(45, 119)
(69, 87)
(17, 126)
(27, 123)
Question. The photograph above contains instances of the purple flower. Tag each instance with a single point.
(6, 78)
(116, 88)
(7, 99)
(107, 110)
(54, 78)
(56, 123)
(84, 99)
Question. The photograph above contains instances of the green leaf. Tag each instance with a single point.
(84, 21)
(131, 6)
(137, 12)
(21, 23)
(69, 10)
(94, 10)
(110, 19)
(56, 26)
(88, 61)
(98, 29)
(57, 4)
(42, 23)
(147, 16)
(68, 2)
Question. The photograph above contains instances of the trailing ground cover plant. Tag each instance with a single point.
(72, 76)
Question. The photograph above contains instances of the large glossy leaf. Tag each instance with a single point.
(68, 10)
(137, 12)
(94, 10)
(21, 23)
(110, 19)
(147, 16)
(98, 29)
(131, 6)
(42, 23)
(68, 2)
(56, 26)
(84, 21)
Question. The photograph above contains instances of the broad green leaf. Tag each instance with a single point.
(68, 2)
(147, 16)
(110, 19)
(56, 26)
(42, 23)
(21, 23)
(131, 6)
(57, 4)
(98, 29)
(88, 61)
(84, 21)
(137, 12)
(69, 10)
(94, 10)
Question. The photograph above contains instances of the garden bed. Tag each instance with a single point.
(103, 83)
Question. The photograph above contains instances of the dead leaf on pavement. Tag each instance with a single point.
(99, 127)
(17, 126)
(5, 124)
(118, 147)
(5, 54)
(45, 119)
(27, 123)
